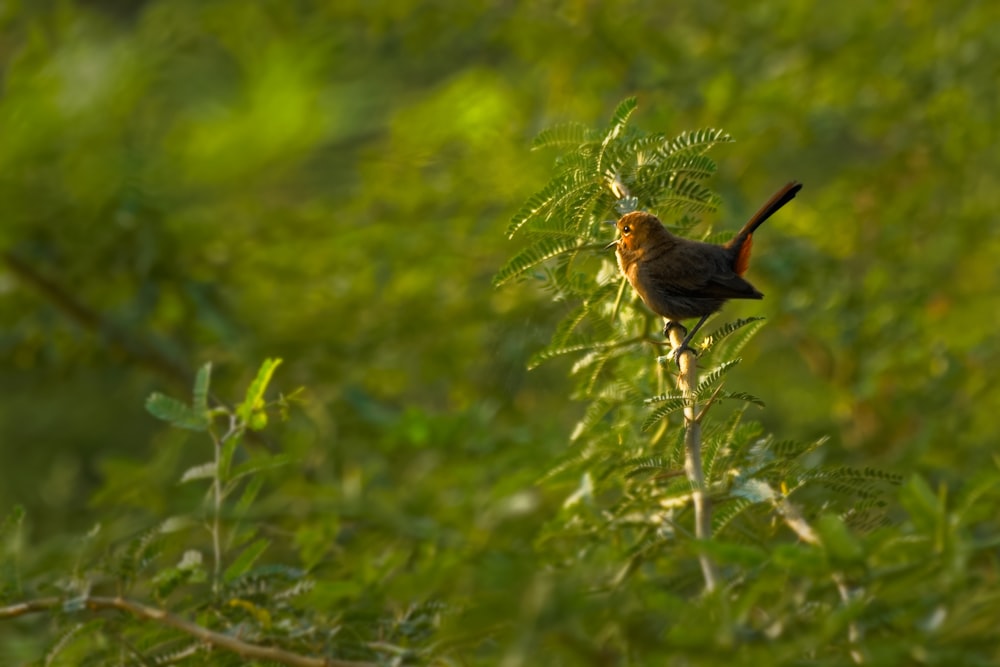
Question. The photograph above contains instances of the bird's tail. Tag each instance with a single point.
(743, 241)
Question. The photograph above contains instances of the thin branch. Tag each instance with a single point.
(687, 382)
(711, 400)
(217, 639)
(139, 350)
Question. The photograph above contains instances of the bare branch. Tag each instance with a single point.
(687, 382)
(217, 639)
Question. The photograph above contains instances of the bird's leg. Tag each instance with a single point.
(687, 339)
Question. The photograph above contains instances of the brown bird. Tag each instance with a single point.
(681, 279)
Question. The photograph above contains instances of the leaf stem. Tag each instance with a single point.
(217, 499)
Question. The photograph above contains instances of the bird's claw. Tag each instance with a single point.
(670, 324)
(683, 347)
(675, 354)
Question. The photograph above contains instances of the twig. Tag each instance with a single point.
(215, 527)
(687, 381)
(142, 351)
(228, 642)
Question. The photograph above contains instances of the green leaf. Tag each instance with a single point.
(716, 374)
(536, 205)
(609, 398)
(562, 135)
(226, 455)
(838, 540)
(203, 471)
(923, 505)
(250, 492)
(725, 514)
(730, 338)
(534, 255)
(258, 465)
(201, 383)
(556, 199)
(693, 166)
(646, 465)
(741, 396)
(688, 195)
(618, 121)
(246, 559)
(176, 413)
(666, 408)
(568, 324)
(582, 346)
(697, 142)
(674, 395)
(254, 400)
(729, 328)
(620, 117)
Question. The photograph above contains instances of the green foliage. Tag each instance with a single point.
(250, 410)
(177, 413)
(330, 183)
(658, 171)
(797, 541)
(208, 566)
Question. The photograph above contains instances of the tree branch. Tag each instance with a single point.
(687, 381)
(228, 642)
(87, 318)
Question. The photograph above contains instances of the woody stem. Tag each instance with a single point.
(687, 381)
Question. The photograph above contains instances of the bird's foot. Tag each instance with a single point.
(675, 354)
(670, 324)
(680, 349)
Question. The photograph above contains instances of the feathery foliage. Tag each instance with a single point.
(629, 500)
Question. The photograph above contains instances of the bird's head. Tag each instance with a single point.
(637, 230)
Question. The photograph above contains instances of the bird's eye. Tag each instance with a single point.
(626, 230)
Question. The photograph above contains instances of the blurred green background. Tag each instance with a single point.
(329, 182)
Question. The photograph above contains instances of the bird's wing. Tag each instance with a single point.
(692, 276)
(731, 287)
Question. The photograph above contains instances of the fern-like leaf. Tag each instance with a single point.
(688, 195)
(725, 513)
(176, 412)
(665, 408)
(729, 343)
(741, 396)
(697, 142)
(533, 255)
(535, 205)
(692, 166)
(645, 465)
(727, 329)
(619, 119)
(580, 346)
(564, 135)
(716, 374)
